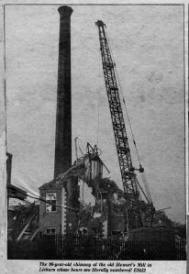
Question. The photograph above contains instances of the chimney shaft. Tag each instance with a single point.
(63, 138)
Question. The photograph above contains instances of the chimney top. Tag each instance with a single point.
(65, 10)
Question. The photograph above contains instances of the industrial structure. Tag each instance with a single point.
(63, 136)
(59, 212)
(116, 213)
(60, 206)
(61, 194)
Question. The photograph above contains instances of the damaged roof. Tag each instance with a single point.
(53, 184)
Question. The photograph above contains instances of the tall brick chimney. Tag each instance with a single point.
(63, 138)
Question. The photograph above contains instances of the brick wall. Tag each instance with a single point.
(50, 219)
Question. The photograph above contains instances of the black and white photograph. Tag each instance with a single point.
(95, 132)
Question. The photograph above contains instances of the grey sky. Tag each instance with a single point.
(147, 44)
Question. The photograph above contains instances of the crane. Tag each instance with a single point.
(131, 185)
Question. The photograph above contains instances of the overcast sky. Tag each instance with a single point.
(147, 44)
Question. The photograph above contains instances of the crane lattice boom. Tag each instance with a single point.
(120, 133)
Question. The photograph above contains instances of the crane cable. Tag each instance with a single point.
(98, 100)
(129, 122)
(147, 189)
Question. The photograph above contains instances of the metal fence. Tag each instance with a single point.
(77, 247)
(88, 248)
(180, 246)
